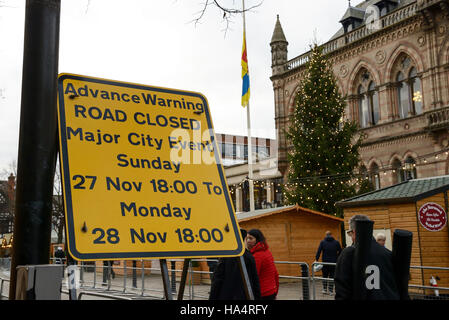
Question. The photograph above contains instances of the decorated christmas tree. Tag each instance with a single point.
(324, 155)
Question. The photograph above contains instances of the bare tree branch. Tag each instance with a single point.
(228, 12)
(87, 6)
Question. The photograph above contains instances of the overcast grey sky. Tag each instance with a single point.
(155, 42)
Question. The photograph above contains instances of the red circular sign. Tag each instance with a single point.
(432, 216)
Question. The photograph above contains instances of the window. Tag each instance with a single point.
(368, 100)
(398, 174)
(229, 149)
(374, 176)
(410, 169)
(408, 89)
(264, 152)
(239, 151)
(403, 96)
(415, 87)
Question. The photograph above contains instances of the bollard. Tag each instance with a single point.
(364, 236)
(305, 282)
(402, 254)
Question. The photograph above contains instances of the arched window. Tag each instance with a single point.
(374, 176)
(403, 95)
(368, 100)
(398, 175)
(408, 88)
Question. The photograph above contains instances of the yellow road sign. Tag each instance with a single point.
(141, 173)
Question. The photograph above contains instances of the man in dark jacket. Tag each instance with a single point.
(227, 282)
(379, 277)
(331, 249)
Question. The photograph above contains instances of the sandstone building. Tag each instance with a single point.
(391, 61)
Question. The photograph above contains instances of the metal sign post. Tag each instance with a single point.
(246, 283)
(37, 140)
(182, 285)
(166, 279)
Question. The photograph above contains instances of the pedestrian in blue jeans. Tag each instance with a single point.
(331, 249)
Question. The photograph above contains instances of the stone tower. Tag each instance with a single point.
(278, 49)
(278, 66)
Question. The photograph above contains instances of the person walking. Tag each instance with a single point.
(227, 282)
(266, 269)
(331, 249)
(379, 281)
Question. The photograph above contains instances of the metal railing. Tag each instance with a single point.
(429, 292)
(300, 282)
(303, 280)
(327, 283)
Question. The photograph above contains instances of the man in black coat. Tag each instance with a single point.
(331, 249)
(380, 283)
(227, 282)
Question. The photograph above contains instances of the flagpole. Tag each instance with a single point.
(250, 148)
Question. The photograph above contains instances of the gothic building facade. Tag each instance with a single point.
(391, 61)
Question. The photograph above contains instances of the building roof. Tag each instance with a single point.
(404, 192)
(353, 12)
(278, 34)
(246, 216)
(362, 6)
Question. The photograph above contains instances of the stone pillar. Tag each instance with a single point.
(269, 194)
(385, 113)
(238, 199)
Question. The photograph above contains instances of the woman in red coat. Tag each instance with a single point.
(268, 274)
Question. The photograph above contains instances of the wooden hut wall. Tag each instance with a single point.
(434, 245)
(293, 236)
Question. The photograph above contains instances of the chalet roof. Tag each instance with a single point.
(278, 34)
(245, 216)
(404, 192)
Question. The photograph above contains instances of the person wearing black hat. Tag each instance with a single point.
(227, 282)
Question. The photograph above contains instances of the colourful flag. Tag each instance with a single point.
(245, 74)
